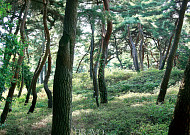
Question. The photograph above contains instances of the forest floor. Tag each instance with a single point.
(131, 110)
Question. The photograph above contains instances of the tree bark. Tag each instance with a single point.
(134, 52)
(93, 73)
(101, 79)
(62, 88)
(164, 84)
(16, 74)
(48, 92)
(180, 124)
(37, 73)
(91, 50)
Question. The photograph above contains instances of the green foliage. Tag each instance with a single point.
(117, 75)
(183, 56)
(145, 81)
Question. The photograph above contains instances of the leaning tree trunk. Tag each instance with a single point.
(48, 92)
(62, 88)
(180, 125)
(37, 73)
(101, 79)
(16, 74)
(164, 84)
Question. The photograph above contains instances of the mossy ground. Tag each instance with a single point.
(131, 109)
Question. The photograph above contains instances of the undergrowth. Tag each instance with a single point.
(131, 109)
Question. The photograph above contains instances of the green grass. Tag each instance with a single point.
(131, 108)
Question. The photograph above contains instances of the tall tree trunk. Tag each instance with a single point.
(37, 73)
(62, 87)
(180, 125)
(101, 79)
(134, 52)
(93, 73)
(164, 84)
(91, 50)
(16, 74)
(48, 92)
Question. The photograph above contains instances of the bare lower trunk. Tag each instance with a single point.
(62, 88)
(164, 84)
(180, 125)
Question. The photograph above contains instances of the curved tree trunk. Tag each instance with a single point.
(16, 74)
(48, 92)
(101, 79)
(180, 125)
(37, 73)
(62, 87)
(164, 84)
